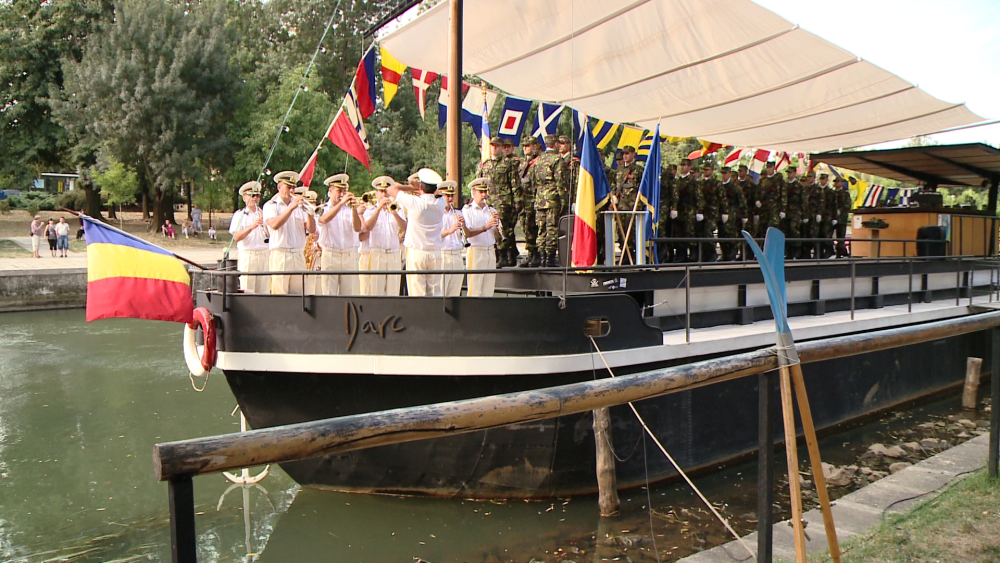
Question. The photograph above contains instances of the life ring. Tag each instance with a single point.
(200, 365)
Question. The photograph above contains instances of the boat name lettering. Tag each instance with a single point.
(353, 323)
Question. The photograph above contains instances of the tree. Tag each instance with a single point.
(213, 196)
(118, 184)
(155, 91)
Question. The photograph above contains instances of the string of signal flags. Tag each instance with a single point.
(347, 130)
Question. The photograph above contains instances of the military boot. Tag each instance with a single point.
(512, 257)
(536, 260)
(501, 259)
(552, 261)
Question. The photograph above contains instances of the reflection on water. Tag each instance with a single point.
(81, 406)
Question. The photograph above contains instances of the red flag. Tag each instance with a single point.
(422, 79)
(348, 131)
(364, 82)
(706, 148)
(734, 157)
(306, 175)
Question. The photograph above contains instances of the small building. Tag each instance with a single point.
(55, 182)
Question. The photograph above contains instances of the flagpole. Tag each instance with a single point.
(454, 154)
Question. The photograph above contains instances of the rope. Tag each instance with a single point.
(194, 385)
(674, 463)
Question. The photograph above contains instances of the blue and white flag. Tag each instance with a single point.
(546, 121)
(580, 124)
(513, 119)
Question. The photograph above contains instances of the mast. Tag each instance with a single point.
(454, 151)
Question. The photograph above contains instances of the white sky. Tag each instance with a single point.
(951, 49)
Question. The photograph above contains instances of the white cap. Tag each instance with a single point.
(428, 176)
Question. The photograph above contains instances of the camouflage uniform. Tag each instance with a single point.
(770, 193)
(526, 208)
(714, 206)
(749, 188)
(550, 187)
(736, 202)
(843, 202)
(796, 204)
(573, 175)
(626, 187)
(689, 200)
(829, 212)
(502, 188)
(666, 224)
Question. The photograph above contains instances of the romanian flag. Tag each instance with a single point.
(392, 70)
(592, 193)
(129, 277)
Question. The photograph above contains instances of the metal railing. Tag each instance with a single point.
(179, 462)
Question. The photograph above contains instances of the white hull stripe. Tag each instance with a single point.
(705, 342)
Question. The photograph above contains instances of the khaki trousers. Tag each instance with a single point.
(384, 284)
(421, 285)
(481, 258)
(452, 260)
(253, 261)
(364, 280)
(286, 260)
(339, 259)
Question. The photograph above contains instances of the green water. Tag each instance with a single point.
(81, 406)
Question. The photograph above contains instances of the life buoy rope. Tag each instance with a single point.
(200, 365)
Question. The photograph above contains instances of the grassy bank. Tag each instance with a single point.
(960, 523)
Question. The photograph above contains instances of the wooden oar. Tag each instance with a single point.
(814, 459)
(792, 456)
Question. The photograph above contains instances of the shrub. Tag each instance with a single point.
(4, 207)
(75, 200)
(33, 208)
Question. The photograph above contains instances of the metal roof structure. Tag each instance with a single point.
(939, 165)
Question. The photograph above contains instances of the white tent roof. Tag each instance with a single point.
(727, 71)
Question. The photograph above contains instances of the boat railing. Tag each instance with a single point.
(179, 462)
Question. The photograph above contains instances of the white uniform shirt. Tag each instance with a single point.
(476, 218)
(424, 217)
(243, 219)
(385, 234)
(454, 240)
(339, 233)
(291, 235)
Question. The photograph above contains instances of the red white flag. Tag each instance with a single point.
(782, 159)
(306, 175)
(348, 130)
(422, 79)
(734, 157)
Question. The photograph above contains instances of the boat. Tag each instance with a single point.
(295, 358)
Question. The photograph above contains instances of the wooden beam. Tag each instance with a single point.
(322, 437)
(454, 151)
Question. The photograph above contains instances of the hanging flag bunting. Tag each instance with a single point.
(422, 79)
(443, 105)
(364, 80)
(758, 162)
(592, 193)
(631, 137)
(642, 152)
(473, 103)
(306, 176)
(873, 197)
(581, 123)
(734, 157)
(905, 196)
(513, 119)
(649, 186)
(707, 148)
(546, 121)
(484, 134)
(603, 132)
(347, 130)
(859, 188)
(392, 71)
(782, 160)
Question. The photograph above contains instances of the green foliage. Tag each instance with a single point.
(73, 199)
(213, 195)
(34, 202)
(4, 206)
(117, 182)
(955, 196)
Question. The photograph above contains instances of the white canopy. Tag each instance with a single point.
(727, 71)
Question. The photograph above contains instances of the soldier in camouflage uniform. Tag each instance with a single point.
(686, 213)
(828, 211)
(573, 167)
(664, 229)
(526, 203)
(812, 202)
(796, 221)
(715, 206)
(746, 183)
(843, 203)
(550, 187)
(731, 225)
(502, 187)
(626, 190)
(515, 166)
(769, 201)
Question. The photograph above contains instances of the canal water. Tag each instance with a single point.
(81, 406)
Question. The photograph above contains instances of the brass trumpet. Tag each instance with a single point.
(394, 207)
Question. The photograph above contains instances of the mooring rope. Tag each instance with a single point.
(674, 463)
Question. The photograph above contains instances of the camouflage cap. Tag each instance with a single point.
(629, 148)
(686, 162)
(550, 140)
(529, 141)
(507, 142)
(563, 139)
(496, 141)
(726, 169)
(708, 165)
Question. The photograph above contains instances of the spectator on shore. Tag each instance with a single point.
(211, 233)
(186, 229)
(62, 230)
(51, 236)
(36, 235)
(168, 230)
(196, 219)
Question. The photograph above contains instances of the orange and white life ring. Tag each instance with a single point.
(200, 365)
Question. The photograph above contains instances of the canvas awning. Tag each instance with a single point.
(727, 71)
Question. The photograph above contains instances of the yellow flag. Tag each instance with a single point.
(392, 70)
(631, 137)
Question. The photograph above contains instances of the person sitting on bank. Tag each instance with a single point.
(168, 229)
(481, 230)
(424, 213)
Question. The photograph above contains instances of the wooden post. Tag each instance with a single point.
(971, 389)
(607, 483)
(765, 466)
(792, 457)
(183, 541)
(815, 461)
(454, 151)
